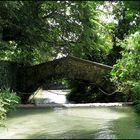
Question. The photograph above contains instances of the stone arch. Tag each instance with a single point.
(31, 77)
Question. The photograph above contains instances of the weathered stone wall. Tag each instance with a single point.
(8, 72)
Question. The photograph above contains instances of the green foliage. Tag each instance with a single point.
(55, 84)
(37, 31)
(126, 22)
(137, 106)
(8, 102)
(80, 92)
(85, 92)
(126, 72)
(136, 91)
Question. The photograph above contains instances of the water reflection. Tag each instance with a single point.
(72, 123)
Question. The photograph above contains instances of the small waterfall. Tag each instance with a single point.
(52, 96)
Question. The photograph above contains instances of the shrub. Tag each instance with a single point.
(8, 102)
(84, 92)
(126, 73)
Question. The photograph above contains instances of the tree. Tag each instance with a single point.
(126, 72)
(128, 19)
(39, 30)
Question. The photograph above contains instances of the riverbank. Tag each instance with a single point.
(75, 105)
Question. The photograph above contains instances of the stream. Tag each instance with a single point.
(72, 123)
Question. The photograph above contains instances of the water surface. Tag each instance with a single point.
(72, 123)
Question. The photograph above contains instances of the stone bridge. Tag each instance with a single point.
(31, 77)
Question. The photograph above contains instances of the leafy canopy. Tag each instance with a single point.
(40, 30)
